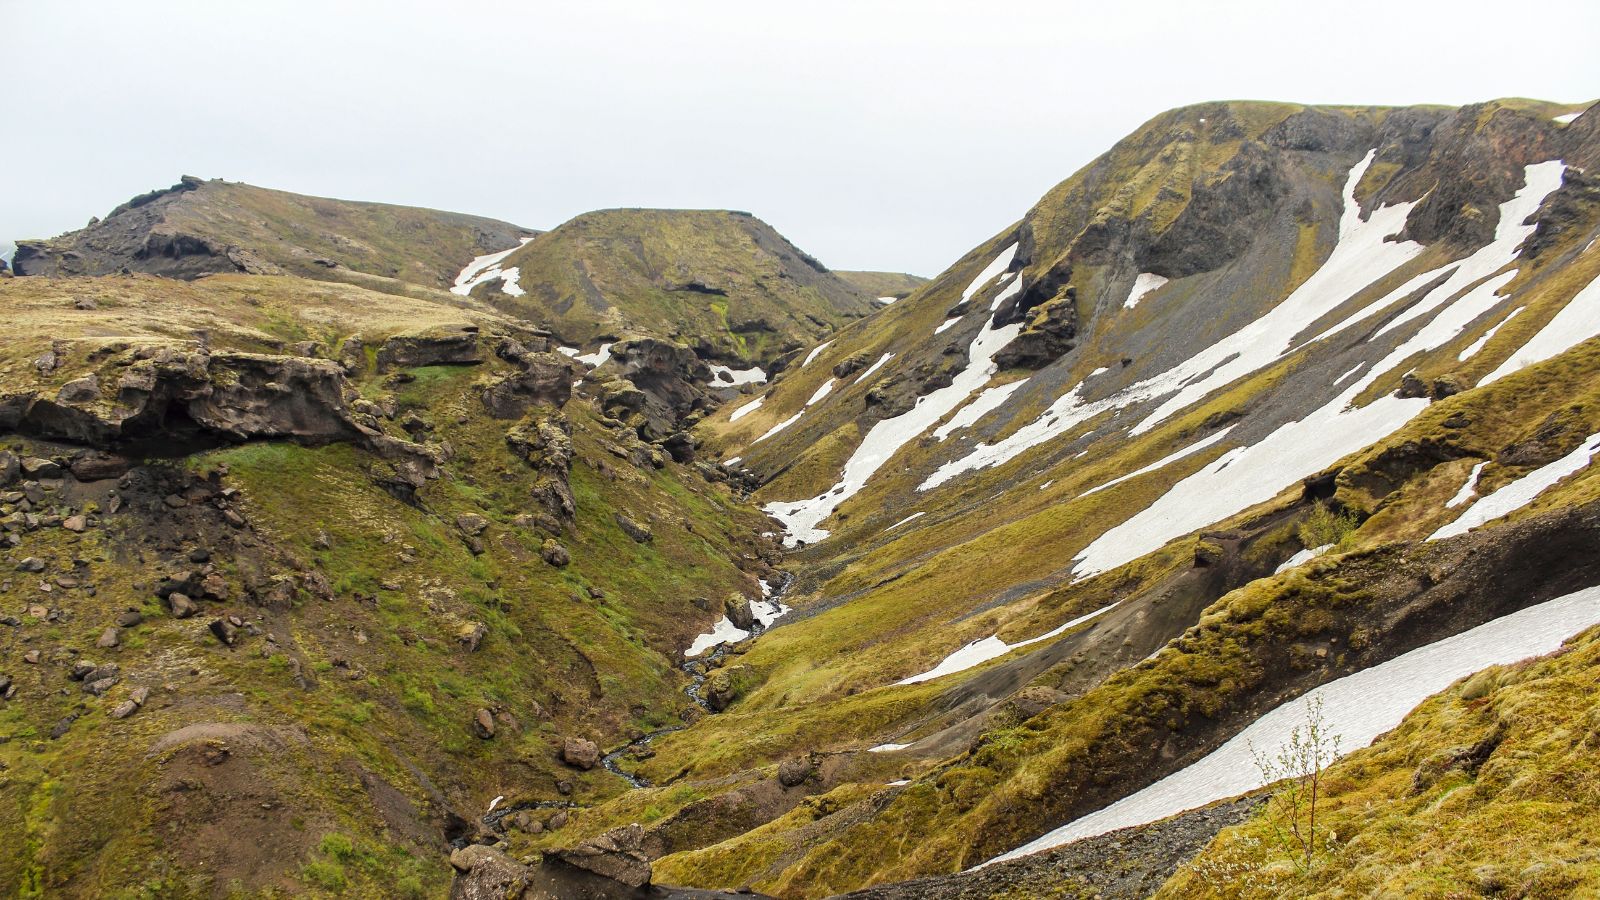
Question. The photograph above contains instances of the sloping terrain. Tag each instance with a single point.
(199, 227)
(724, 283)
(881, 285)
(1234, 339)
(299, 577)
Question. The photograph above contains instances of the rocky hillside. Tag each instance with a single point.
(724, 283)
(198, 227)
(1271, 414)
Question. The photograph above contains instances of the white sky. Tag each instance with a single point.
(887, 135)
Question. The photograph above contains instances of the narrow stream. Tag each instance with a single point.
(697, 669)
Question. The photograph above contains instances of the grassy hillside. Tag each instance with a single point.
(723, 282)
(199, 227)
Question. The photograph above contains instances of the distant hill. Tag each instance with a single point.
(724, 282)
(199, 227)
(883, 284)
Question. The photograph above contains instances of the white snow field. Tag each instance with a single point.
(1519, 493)
(1163, 462)
(1578, 321)
(1568, 118)
(873, 368)
(1483, 340)
(1245, 476)
(722, 632)
(991, 647)
(1144, 284)
(596, 359)
(724, 375)
(801, 517)
(814, 353)
(487, 268)
(779, 427)
(746, 409)
(1356, 708)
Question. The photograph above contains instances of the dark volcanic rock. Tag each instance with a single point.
(457, 347)
(621, 854)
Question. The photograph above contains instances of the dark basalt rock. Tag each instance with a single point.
(667, 384)
(1047, 336)
(458, 347)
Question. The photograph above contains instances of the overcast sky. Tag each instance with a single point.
(880, 135)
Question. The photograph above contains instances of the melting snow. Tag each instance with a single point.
(885, 301)
(723, 375)
(496, 802)
(1243, 477)
(1578, 321)
(487, 268)
(1357, 708)
(946, 325)
(827, 387)
(722, 632)
(1519, 493)
(569, 351)
(887, 748)
(746, 409)
(801, 517)
(1163, 462)
(905, 520)
(596, 359)
(903, 781)
(1144, 284)
(1468, 490)
(1475, 346)
(1564, 119)
(814, 351)
(873, 368)
(732, 460)
(1304, 556)
(991, 647)
(779, 427)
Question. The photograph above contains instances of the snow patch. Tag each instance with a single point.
(827, 387)
(724, 376)
(873, 368)
(746, 409)
(946, 325)
(596, 359)
(991, 647)
(1357, 708)
(887, 748)
(1475, 346)
(1301, 558)
(1568, 117)
(732, 460)
(1578, 321)
(724, 632)
(814, 351)
(1519, 493)
(1468, 490)
(486, 268)
(1144, 284)
(1163, 462)
(779, 427)
(905, 520)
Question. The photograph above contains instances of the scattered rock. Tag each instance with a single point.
(471, 524)
(124, 709)
(109, 639)
(580, 753)
(485, 873)
(35, 467)
(130, 618)
(483, 724)
(31, 657)
(471, 635)
(182, 607)
(31, 564)
(636, 530)
(225, 631)
(78, 523)
(739, 612)
(555, 554)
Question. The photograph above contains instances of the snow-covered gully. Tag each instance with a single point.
(1357, 708)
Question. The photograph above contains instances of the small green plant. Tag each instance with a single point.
(1325, 526)
(1299, 764)
(324, 874)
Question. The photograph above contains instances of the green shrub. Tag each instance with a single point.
(1325, 526)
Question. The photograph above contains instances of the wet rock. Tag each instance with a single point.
(580, 753)
(36, 468)
(483, 724)
(622, 854)
(634, 529)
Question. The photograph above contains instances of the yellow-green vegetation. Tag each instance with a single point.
(722, 281)
(342, 725)
(1488, 788)
(882, 284)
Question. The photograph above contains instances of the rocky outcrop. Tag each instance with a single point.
(456, 346)
(545, 444)
(622, 854)
(484, 873)
(1047, 336)
(545, 379)
(660, 383)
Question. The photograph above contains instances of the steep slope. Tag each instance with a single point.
(1036, 471)
(300, 577)
(723, 283)
(199, 227)
(882, 285)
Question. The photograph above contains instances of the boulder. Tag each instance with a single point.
(622, 854)
(471, 524)
(555, 554)
(639, 531)
(80, 390)
(483, 723)
(546, 379)
(484, 873)
(448, 346)
(78, 523)
(738, 611)
(37, 467)
(793, 772)
(99, 466)
(580, 753)
(182, 607)
(471, 635)
(224, 631)
(109, 639)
